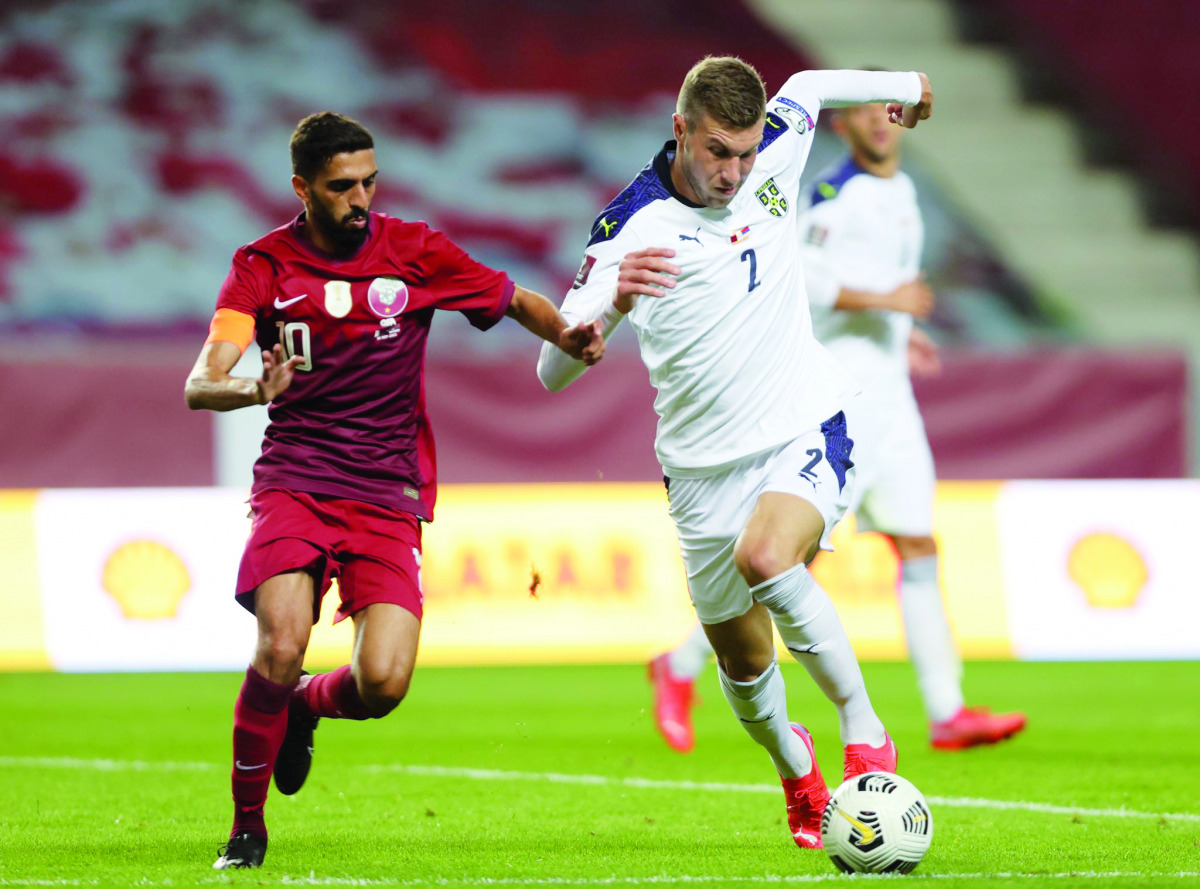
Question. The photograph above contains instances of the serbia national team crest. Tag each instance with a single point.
(387, 297)
(772, 198)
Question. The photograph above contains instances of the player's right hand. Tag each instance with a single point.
(914, 298)
(644, 273)
(277, 373)
(910, 115)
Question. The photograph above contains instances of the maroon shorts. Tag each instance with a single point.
(373, 551)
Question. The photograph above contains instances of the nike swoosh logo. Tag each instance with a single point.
(284, 303)
(868, 832)
(238, 764)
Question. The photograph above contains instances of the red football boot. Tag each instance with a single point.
(806, 799)
(672, 705)
(861, 758)
(972, 726)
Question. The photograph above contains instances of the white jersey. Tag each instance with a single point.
(730, 349)
(861, 232)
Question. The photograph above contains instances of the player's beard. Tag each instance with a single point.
(345, 240)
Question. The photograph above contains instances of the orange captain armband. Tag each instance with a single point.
(231, 326)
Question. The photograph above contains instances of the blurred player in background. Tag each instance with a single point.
(751, 436)
(340, 301)
(862, 235)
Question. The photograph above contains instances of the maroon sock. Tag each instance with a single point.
(259, 724)
(334, 695)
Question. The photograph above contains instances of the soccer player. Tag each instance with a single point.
(862, 236)
(700, 251)
(340, 301)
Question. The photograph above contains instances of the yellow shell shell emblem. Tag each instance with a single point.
(147, 580)
(1109, 570)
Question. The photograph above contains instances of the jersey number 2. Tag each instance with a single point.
(754, 281)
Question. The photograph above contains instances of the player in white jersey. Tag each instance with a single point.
(751, 434)
(862, 237)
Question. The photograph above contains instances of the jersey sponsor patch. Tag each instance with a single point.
(795, 114)
(585, 269)
(772, 198)
(387, 296)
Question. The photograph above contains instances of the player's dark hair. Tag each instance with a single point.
(322, 135)
(725, 88)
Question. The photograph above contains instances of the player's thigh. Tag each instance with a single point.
(815, 473)
(899, 499)
(708, 514)
(386, 637)
(283, 609)
(783, 530)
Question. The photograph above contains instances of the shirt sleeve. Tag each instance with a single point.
(589, 299)
(836, 89)
(459, 283)
(246, 285)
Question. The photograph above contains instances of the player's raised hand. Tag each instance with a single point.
(277, 373)
(583, 342)
(910, 115)
(646, 272)
(913, 298)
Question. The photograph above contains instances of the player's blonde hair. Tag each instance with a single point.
(725, 88)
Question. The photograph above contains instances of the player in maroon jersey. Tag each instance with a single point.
(340, 301)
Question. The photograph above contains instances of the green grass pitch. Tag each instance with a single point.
(554, 776)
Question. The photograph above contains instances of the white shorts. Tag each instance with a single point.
(710, 512)
(894, 487)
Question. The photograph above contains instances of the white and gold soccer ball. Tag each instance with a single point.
(877, 823)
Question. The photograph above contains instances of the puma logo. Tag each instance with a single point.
(695, 237)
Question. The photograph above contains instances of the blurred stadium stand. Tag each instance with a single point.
(146, 141)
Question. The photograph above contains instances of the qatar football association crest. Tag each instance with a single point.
(387, 297)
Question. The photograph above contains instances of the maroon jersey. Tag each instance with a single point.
(352, 424)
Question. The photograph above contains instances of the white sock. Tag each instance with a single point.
(812, 631)
(930, 643)
(689, 659)
(761, 707)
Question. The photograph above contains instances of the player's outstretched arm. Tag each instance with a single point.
(583, 341)
(642, 273)
(908, 94)
(210, 387)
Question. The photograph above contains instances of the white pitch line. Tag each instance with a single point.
(953, 802)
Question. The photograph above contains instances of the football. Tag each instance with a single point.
(877, 823)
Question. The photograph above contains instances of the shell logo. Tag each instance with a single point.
(1109, 570)
(147, 579)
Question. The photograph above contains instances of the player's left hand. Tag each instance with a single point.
(923, 357)
(583, 342)
(909, 115)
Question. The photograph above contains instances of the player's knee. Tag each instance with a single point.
(282, 654)
(758, 560)
(382, 693)
(746, 666)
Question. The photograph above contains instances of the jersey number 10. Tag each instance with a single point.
(296, 339)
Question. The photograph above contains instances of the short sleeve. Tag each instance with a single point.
(460, 284)
(246, 283)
